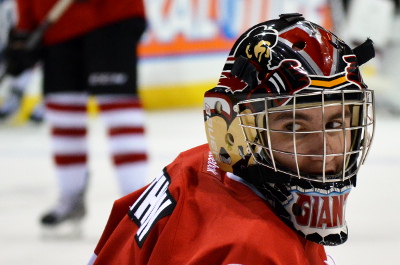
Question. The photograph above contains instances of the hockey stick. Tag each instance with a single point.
(52, 16)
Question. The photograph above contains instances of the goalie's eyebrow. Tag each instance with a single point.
(289, 116)
(339, 115)
(283, 116)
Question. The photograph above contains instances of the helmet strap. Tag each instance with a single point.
(365, 51)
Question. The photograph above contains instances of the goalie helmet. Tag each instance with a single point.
(292, 115)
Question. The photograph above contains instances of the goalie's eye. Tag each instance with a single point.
(293, 127)
(334, 125)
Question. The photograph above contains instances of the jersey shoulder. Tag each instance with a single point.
(195, 162)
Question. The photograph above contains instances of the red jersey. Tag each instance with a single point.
(79, 18)
(196, 214)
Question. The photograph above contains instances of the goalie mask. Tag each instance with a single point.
(292, 115)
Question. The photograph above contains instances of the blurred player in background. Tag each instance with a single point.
(15, 83)
(12, 103)
(288, 126)
(90, 50)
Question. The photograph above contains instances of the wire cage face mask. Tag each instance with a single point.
(321, 136)
(292, 115)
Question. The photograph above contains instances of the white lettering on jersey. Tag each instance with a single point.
(212, 165)
(155, 203)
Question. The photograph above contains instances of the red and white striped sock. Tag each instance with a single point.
(67, 117)
(124, 118)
